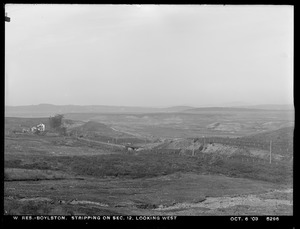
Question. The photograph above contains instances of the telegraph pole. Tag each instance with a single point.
(193, 147)
(270, 151)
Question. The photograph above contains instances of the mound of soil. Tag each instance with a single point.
(95, 126)
(227, 127)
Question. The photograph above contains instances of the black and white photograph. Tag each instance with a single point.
(148, 111)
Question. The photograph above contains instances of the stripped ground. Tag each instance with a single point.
(223, 150)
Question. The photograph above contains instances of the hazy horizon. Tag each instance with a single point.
(148, 55)
(203, 106)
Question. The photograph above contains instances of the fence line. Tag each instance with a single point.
(257, 160)
(240, 158)
(276, 146)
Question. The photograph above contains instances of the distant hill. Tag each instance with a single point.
(46, 110)
(101, 132)
(177, 108)
(219, 109)
(269, 107)
(265, 107)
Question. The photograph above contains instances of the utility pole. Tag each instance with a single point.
(270, 151)
(193, 147)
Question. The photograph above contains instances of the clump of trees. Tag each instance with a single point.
(56, 123)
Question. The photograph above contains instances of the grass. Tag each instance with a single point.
(282, 173)
(20, 174)
(31, 152)
(153, 164)
(136, 196)
(133, 166)
(136, 165)
(41, 165)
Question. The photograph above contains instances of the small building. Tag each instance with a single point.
(25, 130)
(41, 127)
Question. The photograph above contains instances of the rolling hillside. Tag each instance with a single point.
(95, 126)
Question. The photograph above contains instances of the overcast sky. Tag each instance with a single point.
(149, 55)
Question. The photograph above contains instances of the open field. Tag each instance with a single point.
(90, 171)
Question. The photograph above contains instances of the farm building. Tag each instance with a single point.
(41, 127)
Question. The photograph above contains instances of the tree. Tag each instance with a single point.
(56, 121)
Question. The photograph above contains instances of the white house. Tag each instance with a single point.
(41, 127)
